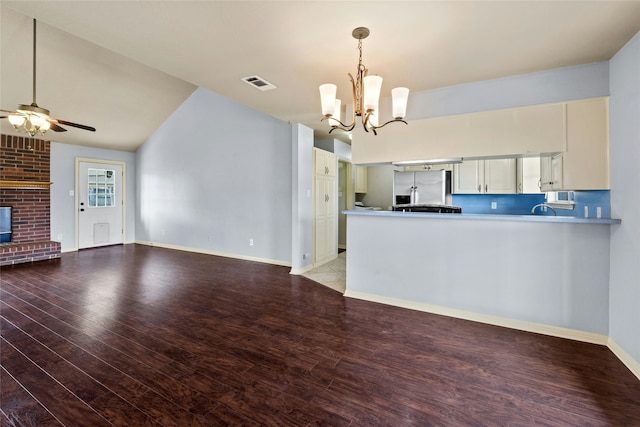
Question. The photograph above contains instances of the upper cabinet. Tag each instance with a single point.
(495, 176)
(325, 163)
(513, 132)
(584, 164)
(528, 175)
(361, 179)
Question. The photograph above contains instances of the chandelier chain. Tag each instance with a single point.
(359, 76)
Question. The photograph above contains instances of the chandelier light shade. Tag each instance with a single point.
(366, 96)
(30, 119)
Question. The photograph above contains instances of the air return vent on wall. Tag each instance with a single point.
(258, 82)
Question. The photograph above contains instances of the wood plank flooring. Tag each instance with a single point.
(141, 336)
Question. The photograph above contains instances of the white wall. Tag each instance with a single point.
(543, 87)
(302, 204)
(546, 273)
(63, 208)
(215, 175)
(625, 199)
(380, 186)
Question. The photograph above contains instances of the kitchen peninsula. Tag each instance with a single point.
(539, 273)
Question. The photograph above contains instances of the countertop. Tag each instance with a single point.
(487, 217)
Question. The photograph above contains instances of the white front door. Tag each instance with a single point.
(100, 204)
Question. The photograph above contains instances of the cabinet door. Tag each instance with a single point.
(331, 162)
(331, 244)
(528, 175)
(585, 164)
(324, 162)
(361, 179)
(325, 218)
(546, 178)
(319, 162)
(556, 172)
(468, 177)
(500, 176)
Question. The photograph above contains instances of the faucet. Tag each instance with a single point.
(544, 205)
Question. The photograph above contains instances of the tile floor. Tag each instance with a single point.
(332, 274)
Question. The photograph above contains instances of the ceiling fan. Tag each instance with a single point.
(33, 119)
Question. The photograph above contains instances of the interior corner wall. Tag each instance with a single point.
(216, 177)
(624, 281)
(63, 175)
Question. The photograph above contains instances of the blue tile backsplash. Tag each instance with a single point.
(521, 204)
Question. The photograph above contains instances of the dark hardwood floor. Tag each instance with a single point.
(141, 336)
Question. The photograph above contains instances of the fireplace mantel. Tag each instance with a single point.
(24, 185)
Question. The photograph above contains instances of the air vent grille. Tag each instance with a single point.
(258, 82)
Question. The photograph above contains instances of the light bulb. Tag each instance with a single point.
(372, 86)
(37, 121)
(328, 98)
(16, 120)
(399, 97)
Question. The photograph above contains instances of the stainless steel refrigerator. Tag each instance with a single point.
(422, 188)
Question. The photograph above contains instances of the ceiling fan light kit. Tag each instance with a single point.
(32, 119)
(366, 96)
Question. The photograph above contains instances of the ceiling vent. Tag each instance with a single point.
(258, 82)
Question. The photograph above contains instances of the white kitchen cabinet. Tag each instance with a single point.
(511, 132)
(325, 163)
(361, 179)
(495, 176)
(325, 230)
(551, 173)
(528, 175)
(546, 180)
(584, 165)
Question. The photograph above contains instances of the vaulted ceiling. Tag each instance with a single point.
(125, 66)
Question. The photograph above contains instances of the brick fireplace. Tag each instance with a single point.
(24, 186)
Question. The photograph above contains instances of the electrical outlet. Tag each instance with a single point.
(250, 242)
(494, 205)
(59, 237)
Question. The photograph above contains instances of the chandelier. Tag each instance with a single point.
(366, 94)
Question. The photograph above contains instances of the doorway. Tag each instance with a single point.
(99, 203)
(345, 200)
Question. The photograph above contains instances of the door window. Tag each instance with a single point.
(101, 187)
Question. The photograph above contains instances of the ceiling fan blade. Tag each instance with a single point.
(7, 111)
(3, 117)
(54, 127)
(76, 125)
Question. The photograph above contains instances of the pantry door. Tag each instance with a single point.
(100, 203)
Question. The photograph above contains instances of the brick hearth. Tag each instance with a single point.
(24, 185)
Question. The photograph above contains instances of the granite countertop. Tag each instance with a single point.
(487, 217)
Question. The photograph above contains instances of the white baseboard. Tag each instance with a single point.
(538, 328)
(207, 252)
(302, 270)
(630, 362)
